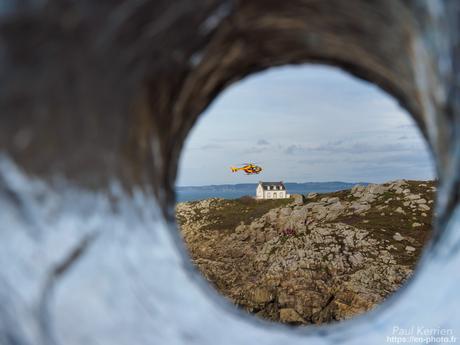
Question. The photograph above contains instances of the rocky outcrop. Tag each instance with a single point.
(336, 256)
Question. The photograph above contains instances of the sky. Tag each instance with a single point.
(308, 123)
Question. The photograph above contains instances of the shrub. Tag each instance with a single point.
(247, 200)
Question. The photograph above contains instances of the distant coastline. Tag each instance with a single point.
(234, 191)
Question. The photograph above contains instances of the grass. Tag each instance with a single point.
(228, 214)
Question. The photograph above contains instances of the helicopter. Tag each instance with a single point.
(248, 168)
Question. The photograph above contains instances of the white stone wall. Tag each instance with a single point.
(270, 194)
(259, 192)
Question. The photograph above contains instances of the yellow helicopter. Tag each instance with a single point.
(248, 168)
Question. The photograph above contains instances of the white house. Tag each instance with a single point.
(271, 190)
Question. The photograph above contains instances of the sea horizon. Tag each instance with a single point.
(238, 190)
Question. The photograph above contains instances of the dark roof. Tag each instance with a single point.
(279, 185)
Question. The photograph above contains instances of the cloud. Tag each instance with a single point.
(262, 142)
(318, 161)
(344, 147)
(294, 149)
(211, 147)
(362, 147)
(255, 149)
(416, 158)
(407, 126)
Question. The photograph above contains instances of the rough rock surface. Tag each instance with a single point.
(336, 256)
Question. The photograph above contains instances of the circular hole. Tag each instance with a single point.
(338, 216)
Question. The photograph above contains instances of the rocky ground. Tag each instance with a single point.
(314, 259)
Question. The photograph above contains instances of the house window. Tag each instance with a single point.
(269, 195)
(274, 195)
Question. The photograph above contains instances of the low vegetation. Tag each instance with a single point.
(229, 213)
